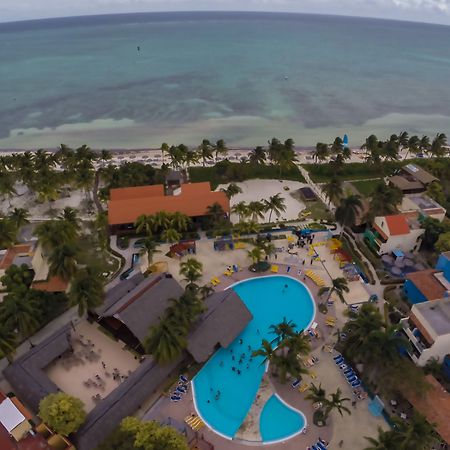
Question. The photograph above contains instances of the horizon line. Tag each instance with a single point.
(209, 11)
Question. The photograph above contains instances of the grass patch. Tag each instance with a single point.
(226, 172)
(321, 173)
(366, 187)
(318, 210)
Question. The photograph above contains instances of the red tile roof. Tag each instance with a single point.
(12, 252)
(434, 404)
(427, 284)
(193, 201)
(397, 225)
(53, 284)
(155, 190)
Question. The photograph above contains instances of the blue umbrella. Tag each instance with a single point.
(345, 140)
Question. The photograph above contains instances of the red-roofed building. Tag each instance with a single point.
(192, 199)
(395, 232)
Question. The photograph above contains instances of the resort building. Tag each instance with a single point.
(69, 359)
(429, 284)
(428, 330)
(193, 199)
(395, 232)
(434, 404)
(32, 255)
(421, 206)
(412, 179)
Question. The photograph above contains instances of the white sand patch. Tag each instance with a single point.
(257, 190)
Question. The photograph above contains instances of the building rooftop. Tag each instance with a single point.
(419, 174)
(192, 199)
(436, 314)
(427, 284)
(421, 203)
(397, 224)
(17, 254)
(434, 404)
(53, 284)
(405, 184)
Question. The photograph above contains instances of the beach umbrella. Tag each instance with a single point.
(396, 271)
(400, 263)
(238, 154)
(388, 259)
(408, 262)
(120, 157)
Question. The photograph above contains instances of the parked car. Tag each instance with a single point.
(139, 243)
(126, 274)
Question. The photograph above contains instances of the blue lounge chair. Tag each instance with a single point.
(339, 361)
(288, 269)
(337, 357)
(315, 448)
(325, 444)
(181, 390)
(352, 379)
(350, 375)
(321, 446)
(184, 379)
(175, 398)
(346, 371)
(296, 383)
(356, 383)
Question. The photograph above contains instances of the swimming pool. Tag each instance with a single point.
(223, 395)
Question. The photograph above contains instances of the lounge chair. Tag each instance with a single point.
(215, 281)
(304, 387)
(288, 269)
(350, 375)
(352, 379)
(348, 370)
(296, 383)
(339, 361)
(320, 446)
(337, 357)
(313, 375)
(356, 383)
(274, 268)
(184, 379)
(235, 268)
(181, 390)
(175, 398)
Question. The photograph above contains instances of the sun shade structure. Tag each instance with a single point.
(193, 199)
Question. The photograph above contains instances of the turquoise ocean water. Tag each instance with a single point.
(244, 77)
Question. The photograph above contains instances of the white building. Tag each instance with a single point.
(399, 231)
(423, 206)
(428, 330)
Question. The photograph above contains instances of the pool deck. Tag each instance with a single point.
(348, 429)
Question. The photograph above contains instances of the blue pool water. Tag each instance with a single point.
(278, 421)
(222, 396)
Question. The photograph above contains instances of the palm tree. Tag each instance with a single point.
(266, 351)
(63, 261)
(275, 204)
(347, 212)
(386, 440)
(337, 146)
(333, 190)
(220, 149)
(283, 330)
(231, 190)
(166, 341)
(205, 150)
(7, 185)
(161, 220)
(246, 227)
(8, 232)
(177, 157)
(384, 345)
(215, 211)
(145, 224)
(19, 217)
(105, 156)
(384, 200)
(372, 148)
(19, 313)
(256, 210)
(321, 152)
(339, 285)
(179, 221)
(336, 402)
(316, 394)
(7, 342)
(257, 156)
(285, 365)
(164, 149)
(256, 254)
(416, 434)
(170, 235)
(70, 215)
(439, 145)
(54, 233)
(148, 248)
(241, 209)
(192, 270)
(424, 144)
(413, 145)
(86, 290)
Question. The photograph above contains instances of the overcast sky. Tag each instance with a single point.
(437, 11)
